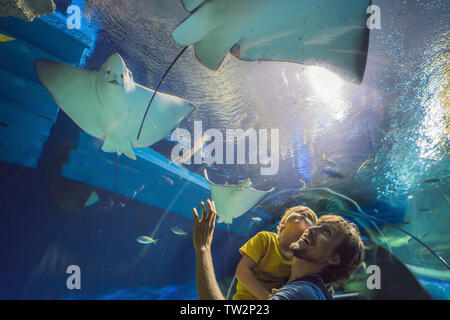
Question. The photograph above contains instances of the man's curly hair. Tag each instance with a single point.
(350, 251)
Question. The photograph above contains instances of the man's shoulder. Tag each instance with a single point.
(307, 288)
(314, 284)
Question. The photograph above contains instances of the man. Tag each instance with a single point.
(328, 252)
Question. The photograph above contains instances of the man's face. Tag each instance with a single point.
(318, 243)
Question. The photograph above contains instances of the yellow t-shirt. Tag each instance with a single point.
(271, 267)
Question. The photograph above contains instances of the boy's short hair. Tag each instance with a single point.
(351, 250)
(307, 212)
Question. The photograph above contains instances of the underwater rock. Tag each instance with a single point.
(26, 9)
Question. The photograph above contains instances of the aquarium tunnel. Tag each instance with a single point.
(260, 106)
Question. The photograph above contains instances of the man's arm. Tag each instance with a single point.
(207, 286)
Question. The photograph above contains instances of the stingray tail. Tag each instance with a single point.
(112, 145)
(116, 181)
(157, 88)
(229, 232)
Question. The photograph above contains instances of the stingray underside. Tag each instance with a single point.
(231, 202)
(165, 113)
(327, 33)
(99, 113)
(73, 91)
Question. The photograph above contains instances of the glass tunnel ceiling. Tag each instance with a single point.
(397, 118)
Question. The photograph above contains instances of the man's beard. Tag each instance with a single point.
(303, 254)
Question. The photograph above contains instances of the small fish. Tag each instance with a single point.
(430, 181)
(169, 181)
(410, 196)
(122, 204)
(330, 162)
(256, 219)
(396, 242)
(369, 159)
(4, 38)
(303, 183)
(146, 240)
(178, 231)
(425, 210)
(333, 174)
(137, 191)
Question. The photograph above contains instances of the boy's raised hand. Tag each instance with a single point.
(204, 227)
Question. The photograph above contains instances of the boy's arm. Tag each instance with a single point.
(245, 275)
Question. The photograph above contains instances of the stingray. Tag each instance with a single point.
(327, 33)
(109, 105)
(232, 201)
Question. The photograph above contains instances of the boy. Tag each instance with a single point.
(267, 257)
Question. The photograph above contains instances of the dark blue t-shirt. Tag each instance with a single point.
(311, 287)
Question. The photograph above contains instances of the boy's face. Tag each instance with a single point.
(297, 223)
